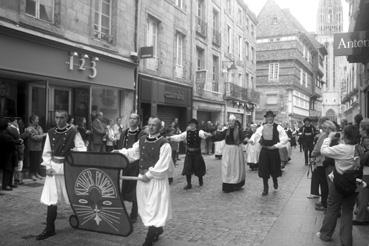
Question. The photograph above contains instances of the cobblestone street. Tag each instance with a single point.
(202, 216)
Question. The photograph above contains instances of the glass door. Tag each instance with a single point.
(37, 101)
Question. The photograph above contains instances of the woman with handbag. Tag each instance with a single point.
(342, 185)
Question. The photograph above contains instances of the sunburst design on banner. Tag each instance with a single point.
(96, 188)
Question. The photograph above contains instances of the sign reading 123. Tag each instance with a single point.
(84, 63)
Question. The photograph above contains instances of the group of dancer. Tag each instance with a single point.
(150, 157)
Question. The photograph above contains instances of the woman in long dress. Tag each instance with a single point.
(253, 151)
(233, 167)
(219, 146)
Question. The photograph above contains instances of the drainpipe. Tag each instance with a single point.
(135, 41)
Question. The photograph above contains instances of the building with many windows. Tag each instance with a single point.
(165, 87)
(289, 76)
(67, 55)
(224, 77)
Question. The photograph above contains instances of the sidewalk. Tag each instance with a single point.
(299, 223)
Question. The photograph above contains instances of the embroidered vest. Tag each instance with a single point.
(193, 139)
(150, 152)
(62, 141)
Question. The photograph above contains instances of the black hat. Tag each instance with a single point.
(269, 113)
(307, 119)
(194, 121)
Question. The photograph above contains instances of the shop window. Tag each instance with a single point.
(103, 20)
(41, 9)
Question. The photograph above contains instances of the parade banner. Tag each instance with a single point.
(92, 182)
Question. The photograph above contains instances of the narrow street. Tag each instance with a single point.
(202, 216)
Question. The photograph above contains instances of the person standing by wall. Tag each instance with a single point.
(36, 137)
(98, 133)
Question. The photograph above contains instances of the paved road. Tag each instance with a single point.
(202, 216)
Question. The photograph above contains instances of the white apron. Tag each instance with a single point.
(252, 153)
(153, 200)
(54, 191)
(233, 164)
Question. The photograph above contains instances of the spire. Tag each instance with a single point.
(329, 17)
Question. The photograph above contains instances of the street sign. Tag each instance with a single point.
(147, 52)
(351, 43)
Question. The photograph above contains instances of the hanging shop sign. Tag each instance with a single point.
(351, 43)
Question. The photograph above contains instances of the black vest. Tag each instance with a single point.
(275, 139)
(150, 152)
(62, 141)
(193, 139)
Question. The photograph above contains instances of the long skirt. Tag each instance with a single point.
(194, 164)
(283, 153)
(363, 202)
(233, 168)
(153, 200)
(129, 186)
(54, 191)
(218, 149)
(269, 163)
(252, 153)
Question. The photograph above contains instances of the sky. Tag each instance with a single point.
(304, 10)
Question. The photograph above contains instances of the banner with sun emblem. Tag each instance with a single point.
(92, 182)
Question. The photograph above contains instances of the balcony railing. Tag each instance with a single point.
(216, 38)
(201, 27)
(233, 91)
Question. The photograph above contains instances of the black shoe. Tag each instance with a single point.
(201, 182)
(14, 186)
(170, 181)
(45, 234)
(265, 193)
(8, 188)
(320, 207)
(158, 232)
(133, 218)
(275, 185)
(188, 187)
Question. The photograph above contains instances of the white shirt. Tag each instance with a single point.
(181, 137)
(283, 138)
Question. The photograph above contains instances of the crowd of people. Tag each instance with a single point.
(336, 157)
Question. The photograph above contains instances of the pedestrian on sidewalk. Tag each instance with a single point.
(362, 202)
(342, 185)
(36, 137)
(128, 137)
(153, 193)
(59, 141)
(319, 178)
(194, 162)
(272, 137)
(233, 161)
(7, 154)
(308, 133)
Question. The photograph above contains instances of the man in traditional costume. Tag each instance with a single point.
(272, 137)
(233, 161)
(128, 137)
(252, 150)
(59, 141)
(153, 193)
(194, 162)
(307, 135)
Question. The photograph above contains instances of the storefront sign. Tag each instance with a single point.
(83, 63)
(147, 52)
(352, 43)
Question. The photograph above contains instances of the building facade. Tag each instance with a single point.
(224, 68)
(165, 87)
(67, 55)
(289, 77)
(356, 96)
(330, 21)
